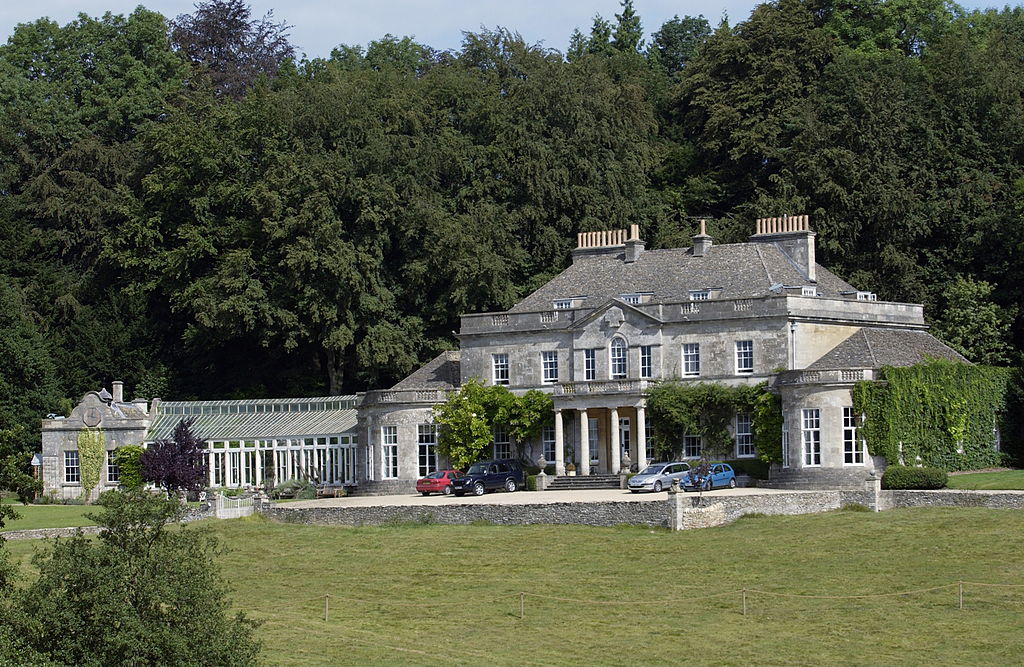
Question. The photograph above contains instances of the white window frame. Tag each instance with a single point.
(502, 443)
(693, 446)
(744, 357)
(810, 435)
(562, 304)
(549, 366)
(618, 355)
(593, 438)
(389, 451)
(700, 295)
(112, 469)
(625, 435)
(426, 441)
(853, 444)
(745, 436)
(72, 467)
(499, 368)
(547, 439)
(590, 364)
(691, 359)
(631, 299)
(646, 361)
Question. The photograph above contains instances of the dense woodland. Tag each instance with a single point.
(187, 206)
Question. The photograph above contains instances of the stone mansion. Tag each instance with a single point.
(595, 337)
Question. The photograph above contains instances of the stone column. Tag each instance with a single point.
(259, 464)
(641, 437)
(277, 466)
(614, 440)
(209, 463)
(584, 444)
(559, 444)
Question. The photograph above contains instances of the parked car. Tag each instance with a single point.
(490, 475)
(658, 476)
(437, 482)
(718, 475)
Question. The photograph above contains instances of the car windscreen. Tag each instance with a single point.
(477, 469)
(434, 475)
(651, 470)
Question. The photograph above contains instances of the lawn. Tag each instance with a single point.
(1003, 479)
(427, 594)
(50, 516)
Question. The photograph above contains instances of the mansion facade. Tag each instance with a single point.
(594, 338)
(622, 317)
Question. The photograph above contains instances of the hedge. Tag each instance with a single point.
(908, 477)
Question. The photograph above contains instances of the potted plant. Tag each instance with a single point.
(570, 469)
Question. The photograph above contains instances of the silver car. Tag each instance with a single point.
(658, 476)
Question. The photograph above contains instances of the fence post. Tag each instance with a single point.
(744, 601)
(522, 604)
(327, 606)
(960, 586)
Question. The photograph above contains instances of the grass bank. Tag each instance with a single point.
(1003, 479)
(426, 594)
(50, 516)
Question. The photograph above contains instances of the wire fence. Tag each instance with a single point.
(744, 597)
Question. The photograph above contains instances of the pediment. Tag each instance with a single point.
(613, 315)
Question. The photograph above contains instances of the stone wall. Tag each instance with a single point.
(584, 514)
(680, 511)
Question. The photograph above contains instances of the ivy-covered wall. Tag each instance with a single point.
(940, 413)
(707, 409)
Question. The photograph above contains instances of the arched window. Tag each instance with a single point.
(618, 359)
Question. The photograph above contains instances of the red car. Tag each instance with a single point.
(437, 482)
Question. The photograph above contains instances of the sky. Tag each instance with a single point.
(320, 25)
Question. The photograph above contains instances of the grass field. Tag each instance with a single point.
(427, 594)
(1003, 479)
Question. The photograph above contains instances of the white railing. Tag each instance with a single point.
(602, 387)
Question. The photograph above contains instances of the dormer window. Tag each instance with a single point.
(866, 296)
(808, 291)
(563, 304)
(631, 299)
(700, 295)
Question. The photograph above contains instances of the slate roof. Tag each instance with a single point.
(265, 418)
(874, 348)
(441, 372)
(741, 270)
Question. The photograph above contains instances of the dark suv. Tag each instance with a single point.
(490, 475)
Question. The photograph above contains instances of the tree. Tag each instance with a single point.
(973, 325)
(629, 33)
(177, 464)
(222, 39)
(678, 40)
(140, 594)
(467, 419)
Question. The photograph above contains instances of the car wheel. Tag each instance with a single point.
(510, 485)
(478, 489)
(447, 490)
(657, 486)
(426, 493)
(709, 485)
(732, 483)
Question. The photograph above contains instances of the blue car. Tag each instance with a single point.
(718, 475)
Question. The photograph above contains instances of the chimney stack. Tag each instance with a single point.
(792, 235)
(701, 242)
(117, 388)
(634, 246)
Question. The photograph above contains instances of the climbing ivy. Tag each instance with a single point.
(686, 408)
(939, 413)
(90, 458)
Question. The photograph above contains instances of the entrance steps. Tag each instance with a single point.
(566, 483)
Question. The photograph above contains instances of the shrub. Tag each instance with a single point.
(129, 463)
(531, 482)
(295, 488)
(908, 477)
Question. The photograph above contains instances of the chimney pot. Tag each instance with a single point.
(117, 389)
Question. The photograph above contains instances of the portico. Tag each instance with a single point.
(599, 422)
